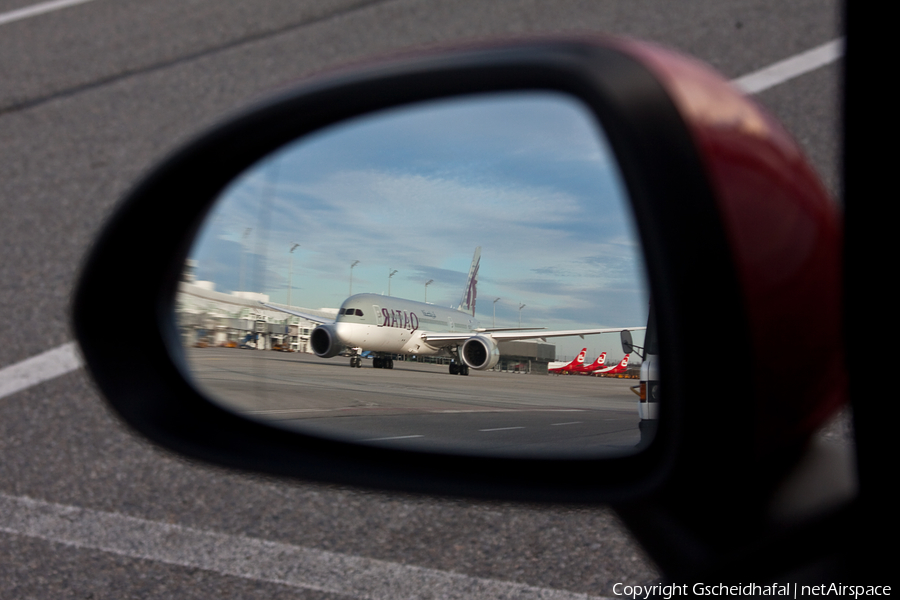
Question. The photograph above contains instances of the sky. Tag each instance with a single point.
(527, 176)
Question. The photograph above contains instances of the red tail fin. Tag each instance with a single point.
(600, 361)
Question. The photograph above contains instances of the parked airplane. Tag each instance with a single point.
(561, 367)
(577, 366)
(597, 364)
(615, 369)
(387, 326)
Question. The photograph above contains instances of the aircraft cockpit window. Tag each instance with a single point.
(388, 208)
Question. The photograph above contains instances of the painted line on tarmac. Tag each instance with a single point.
(37, 9)
(285, 411)
(792, 67)
(251, 558)
(40, 368)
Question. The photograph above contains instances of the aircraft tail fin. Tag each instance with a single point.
(580, 358)
(601, 361)
(467, 304)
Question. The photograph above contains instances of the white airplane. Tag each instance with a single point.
(386, 326)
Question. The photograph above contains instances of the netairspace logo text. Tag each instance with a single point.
(788, 590)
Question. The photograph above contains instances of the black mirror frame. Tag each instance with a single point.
(678, 222)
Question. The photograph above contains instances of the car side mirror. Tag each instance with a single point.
(736, 233)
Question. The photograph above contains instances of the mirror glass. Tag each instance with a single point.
(429, 277)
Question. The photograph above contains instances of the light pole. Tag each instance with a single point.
(427, 283)
(291, 272)
(494, 320)
(521, 306)
(355, 262)
(391, 273)
(243, 254)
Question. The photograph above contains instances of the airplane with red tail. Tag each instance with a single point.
(578, 366)
(561, 367)
(613, 370)
(597, 364)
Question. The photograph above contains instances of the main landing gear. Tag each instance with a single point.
(383, 363)
(457, 369)
(355, 361)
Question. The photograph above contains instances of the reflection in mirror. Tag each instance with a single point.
(452, 275)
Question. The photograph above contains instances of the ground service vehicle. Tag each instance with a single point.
(708, 174)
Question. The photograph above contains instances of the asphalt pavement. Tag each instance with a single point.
(92, 95)
(421, 406)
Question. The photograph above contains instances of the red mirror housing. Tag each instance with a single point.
(785, 236)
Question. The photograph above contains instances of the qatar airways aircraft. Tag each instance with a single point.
(385, 326)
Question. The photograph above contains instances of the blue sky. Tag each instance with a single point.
(527, 176)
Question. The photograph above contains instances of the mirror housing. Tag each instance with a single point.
(627, 342)
(739, 237)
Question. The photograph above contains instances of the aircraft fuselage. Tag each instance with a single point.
(395, 325)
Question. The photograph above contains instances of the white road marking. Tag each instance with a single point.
(283, 411)
(505, 410)
(37, 9)
(396, 437)
(251, 558)
(501, 429)
(569, 423)
(40, 368)
(792, 67)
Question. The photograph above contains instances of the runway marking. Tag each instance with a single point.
(40, 368)
(396, 437)
(251, 558)
(37, 9)
(569, 423)
(499, 409)
(501, 428)
(792, 67)
(282, 411)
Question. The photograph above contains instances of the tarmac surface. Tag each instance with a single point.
(420, 405)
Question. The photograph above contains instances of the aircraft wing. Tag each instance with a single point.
(493, 329)
(438, 339)
(297, 313)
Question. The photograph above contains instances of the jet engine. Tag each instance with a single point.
(479, 352)
(325, 341)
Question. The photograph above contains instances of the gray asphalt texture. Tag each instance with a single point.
(93, 95)
(421, 406)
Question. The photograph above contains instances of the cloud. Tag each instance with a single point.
(528, 179)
